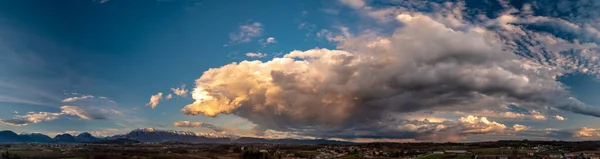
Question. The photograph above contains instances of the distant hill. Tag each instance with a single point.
(152, 135)
(36, 137)
(247, 140)
(9, 136)
(64, 138)
(85, 137)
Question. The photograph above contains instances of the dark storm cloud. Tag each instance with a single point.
(436, 61)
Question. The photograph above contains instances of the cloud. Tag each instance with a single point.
(423, 66)
(587, 132)
(31, 117)
(79, 112)
(558, 117)
(72, 99)
(354, 3)
(583, 133)
(331, 11)
(10, 99)
(444, 57)
(342, 34)
(181, 91)
(154, 100)
(518, 127)
(270, 40)
(86, 98)
(245, 33)
(169, 96)
(474, 124)
(87, 114)
(189, 124)
(528, 115)
(256, 55)
(380, 14)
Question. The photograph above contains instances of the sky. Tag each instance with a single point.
(354, 70)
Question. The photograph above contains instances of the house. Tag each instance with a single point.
(438, 152)
(556, 156)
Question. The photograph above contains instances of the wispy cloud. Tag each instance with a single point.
(9, 99)
(265, 42)
(256, 54)
(180, 91)
(189, 124)
(72, 99)
(245, 33)
(66, 111)
(354, 3)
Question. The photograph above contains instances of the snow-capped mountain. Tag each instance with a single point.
(66, 138)
(155, 135)
(85, 137)
(35, 137)
(174, 132)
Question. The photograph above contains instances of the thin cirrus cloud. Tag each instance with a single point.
(72, 99)
(87, 98)
(269, 40)
(66, 111)
(422, 66)
(190, 124)
(245, 33)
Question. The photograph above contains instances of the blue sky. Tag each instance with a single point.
(127, 50)
(77, 66)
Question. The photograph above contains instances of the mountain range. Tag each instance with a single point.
(151, 135)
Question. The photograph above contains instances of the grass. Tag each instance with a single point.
(491, 150)
(349, 157)
(464, 156)
(433, 156)
(496, 151)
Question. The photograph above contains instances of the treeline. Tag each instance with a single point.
(7, 155)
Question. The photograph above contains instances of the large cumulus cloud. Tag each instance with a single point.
(424, 65)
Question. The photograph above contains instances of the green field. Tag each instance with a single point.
(349, 157)
(496, 151)
(433, 156)
(440, 156)
(464, 156)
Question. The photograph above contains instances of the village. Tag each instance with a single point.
(483, 150)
